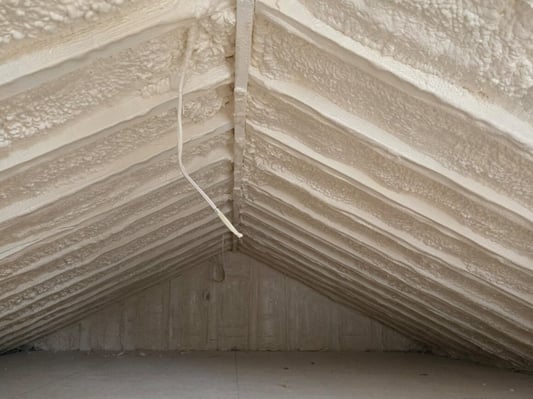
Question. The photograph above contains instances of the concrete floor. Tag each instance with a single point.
(253, 375)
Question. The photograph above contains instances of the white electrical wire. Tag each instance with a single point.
(191, 38)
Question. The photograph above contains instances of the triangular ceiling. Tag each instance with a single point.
(383, 155)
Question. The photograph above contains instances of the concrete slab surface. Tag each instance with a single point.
(253, 375)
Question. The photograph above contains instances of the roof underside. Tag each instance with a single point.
(380, 153)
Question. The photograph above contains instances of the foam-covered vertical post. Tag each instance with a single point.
(243, 47)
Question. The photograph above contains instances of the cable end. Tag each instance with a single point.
(228, 224)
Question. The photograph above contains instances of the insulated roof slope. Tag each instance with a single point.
(92, 204)
(388, 162)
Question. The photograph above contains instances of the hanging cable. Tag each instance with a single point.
(191, 38)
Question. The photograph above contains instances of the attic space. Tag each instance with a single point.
(266, 198)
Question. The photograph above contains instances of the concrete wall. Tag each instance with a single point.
(254, 307)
